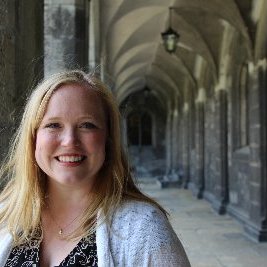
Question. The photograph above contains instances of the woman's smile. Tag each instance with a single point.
(71, 160)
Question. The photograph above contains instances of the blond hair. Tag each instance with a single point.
(23, 196)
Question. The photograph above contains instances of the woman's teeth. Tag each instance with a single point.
(70, 158)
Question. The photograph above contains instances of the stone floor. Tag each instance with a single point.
(210, 240)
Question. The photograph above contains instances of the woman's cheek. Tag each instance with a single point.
(46, 140)
(96, 140)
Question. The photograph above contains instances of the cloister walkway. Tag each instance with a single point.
(210, 240)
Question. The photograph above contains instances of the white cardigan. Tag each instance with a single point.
(139, 236)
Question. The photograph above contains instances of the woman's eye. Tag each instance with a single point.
(88, 125)
(52, 125)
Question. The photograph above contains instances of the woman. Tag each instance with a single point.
(70, 199)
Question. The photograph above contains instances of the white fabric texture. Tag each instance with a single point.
(139, 236)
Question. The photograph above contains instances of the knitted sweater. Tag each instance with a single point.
(139, 236)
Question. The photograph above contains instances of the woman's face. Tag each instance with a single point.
(70, 142)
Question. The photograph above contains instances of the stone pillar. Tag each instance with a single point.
(200, 180)
(221, 187)
(95, 32)
(21, 64)
(29, 47)
(186, 146)
(7, 71)
(171, 177)
(168, 143)
(124, 131)
(197, 183)
(175, 138)
(66, 34)
(256, 226)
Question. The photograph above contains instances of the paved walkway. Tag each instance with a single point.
(210, 240)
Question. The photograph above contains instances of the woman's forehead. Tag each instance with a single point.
(71, 98)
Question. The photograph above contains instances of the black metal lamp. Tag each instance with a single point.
(146, 91)
(170, 37)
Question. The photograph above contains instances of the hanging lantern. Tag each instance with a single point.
(170, 37)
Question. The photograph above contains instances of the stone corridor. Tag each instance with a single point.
(210, 240)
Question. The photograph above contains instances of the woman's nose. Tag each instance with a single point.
(69, 137)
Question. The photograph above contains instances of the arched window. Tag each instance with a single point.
(139, 129)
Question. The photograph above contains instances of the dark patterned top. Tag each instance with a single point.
(27, 255)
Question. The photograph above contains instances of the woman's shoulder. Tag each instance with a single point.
(140, 209)
(143, 217)
(144, 231)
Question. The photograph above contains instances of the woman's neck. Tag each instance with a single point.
(61, 199)
(64, 209)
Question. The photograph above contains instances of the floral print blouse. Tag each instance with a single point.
(28, 254)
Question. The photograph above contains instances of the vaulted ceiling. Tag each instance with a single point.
(133, 50)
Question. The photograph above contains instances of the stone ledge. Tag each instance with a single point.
(169, 182)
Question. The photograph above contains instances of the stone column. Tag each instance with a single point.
(173, 174)
(174, 143)
(186, 146)
(95, 32)
(221, 188)
(29, 47)
(124, 131)
(171, 177)
(66, 35)
(197, 183)
(7, 72)
(21, 64)
(256, 226)
(168, 142)
(200, 180)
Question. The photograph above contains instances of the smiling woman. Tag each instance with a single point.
(70, 199)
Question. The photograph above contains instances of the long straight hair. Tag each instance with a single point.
(24, 194)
